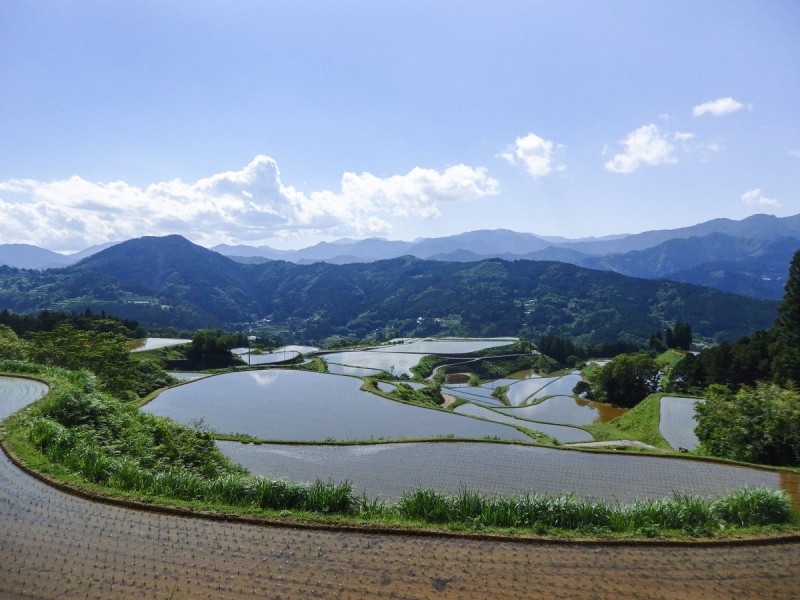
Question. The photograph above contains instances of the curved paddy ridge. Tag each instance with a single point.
(56, 545)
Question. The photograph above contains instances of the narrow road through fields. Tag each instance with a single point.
(53, 545)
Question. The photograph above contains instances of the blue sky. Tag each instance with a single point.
(287, 123)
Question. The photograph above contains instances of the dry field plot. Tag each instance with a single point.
(53, 545)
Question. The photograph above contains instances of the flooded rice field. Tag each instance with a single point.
(156, 343)
(185, 376)
(447, 346)
(396, 363)
(567, 410)
(387, 470)
(297, 405)
(58, 546)
(677, 422)
(566, 435)
(17, 393)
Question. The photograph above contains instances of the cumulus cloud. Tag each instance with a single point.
(249, 205)
(645, 146)
(754, 197)
(718, 107)
(534, 153)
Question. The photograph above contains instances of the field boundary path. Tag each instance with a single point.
(56, 545)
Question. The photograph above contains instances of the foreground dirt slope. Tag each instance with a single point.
(54, 545)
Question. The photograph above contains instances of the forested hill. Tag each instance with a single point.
(170, 281)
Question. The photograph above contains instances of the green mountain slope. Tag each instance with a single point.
(170, 281)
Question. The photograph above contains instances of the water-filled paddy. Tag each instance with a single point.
(397, 363)
(563, 434)
(447, 346)
(17, 393)
(156, 343)
(297, 405)
(388, 387)
(387, 470)
(184, 376)
(567, 410)
(677, 422)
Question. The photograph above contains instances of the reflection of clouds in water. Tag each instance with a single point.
(263, 377)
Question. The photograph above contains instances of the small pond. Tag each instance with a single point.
(298, 405)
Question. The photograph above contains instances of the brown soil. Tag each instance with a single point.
(55, 545)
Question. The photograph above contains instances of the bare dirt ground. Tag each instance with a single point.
(56, 546)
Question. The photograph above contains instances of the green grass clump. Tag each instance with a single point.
(684, 513)
(639, 423)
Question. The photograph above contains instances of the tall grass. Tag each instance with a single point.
(110, 444)
(686, 513)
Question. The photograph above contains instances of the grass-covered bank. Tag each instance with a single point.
(92, 440)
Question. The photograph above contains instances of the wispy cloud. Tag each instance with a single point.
(718, 107)
(754, 197)
(794, 153)
(644, 146)
(534, 153)
(252, 205)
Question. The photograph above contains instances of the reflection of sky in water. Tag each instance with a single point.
(263, 378)
(446, 346)
(566, 410)
(560, 432)
(395, 363)
(298, 405)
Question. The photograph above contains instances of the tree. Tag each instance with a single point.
(105, 354)
(760, 424)
(11, 347)
(786, 362)
(627, 379)
(213, 347)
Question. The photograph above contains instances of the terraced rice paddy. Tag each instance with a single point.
(447, 346)
(184, 376)
(387, 470)
(296, 405)
(17, 393)
(566, 410)
(156, 343)
(565, 435)
(397, 363)
(677, 422)
(55, 545)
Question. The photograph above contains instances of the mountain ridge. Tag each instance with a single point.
(162, 281)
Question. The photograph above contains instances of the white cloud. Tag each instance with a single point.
(645, 146)
(534, 153)
(794, 153)
(754, 197)
(250, 205)
(718, 107)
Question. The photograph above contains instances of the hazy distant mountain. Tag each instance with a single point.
(26, 256)
(755, 226)
(170, 281)
(750, 256)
